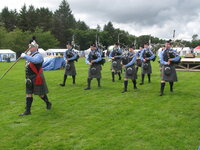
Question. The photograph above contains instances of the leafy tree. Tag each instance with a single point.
(44, 19)
(81, 25)
(194, 37)
(23, 19)
(45, 39)
(3, 34)
(9, 18)
(63, 21)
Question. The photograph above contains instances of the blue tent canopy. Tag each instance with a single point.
(53, 63)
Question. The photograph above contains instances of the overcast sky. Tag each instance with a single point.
(156, 17)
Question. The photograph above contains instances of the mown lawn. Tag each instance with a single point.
(100, 119)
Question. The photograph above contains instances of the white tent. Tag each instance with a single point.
(6, 54)
(182, 51)
(58, 52)
(186, 50)
(43, 52)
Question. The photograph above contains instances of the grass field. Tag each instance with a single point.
(100, 119)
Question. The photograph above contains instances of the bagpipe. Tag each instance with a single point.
(116, 52)
(147, 54)
(171, 54)
(94, 56)
(70, 54)
(126, 58)
(102, 62)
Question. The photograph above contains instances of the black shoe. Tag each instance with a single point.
(88, 88)
(49, 105)
(141, 83)
(124, 91)
(113, 80)
(135, 88)
(62, 84)
(25, 113)
(120, 78)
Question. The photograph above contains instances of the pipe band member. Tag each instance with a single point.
(70, 56)
(146, 56)
(129, 62)
(35, 81)
(94, 61)
(168, 59)
(116, 66)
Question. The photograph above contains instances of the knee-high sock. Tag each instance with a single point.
(143, 75)
(149, 77)
(162, 87)
(45, 99)
(89, 82)
(113, 76)
(29, 101)
(119, 74)
(171, 86)
(64, 79)
(99, 83)
(74, 79)
(134, 83)
(125, 85)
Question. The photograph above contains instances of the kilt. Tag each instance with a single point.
(116, 65)
(131, 75)
(94, 71)
(146, 68)
(71, 70)
(32, 88)
(172, 77)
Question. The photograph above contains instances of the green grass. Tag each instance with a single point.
(100, 119)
